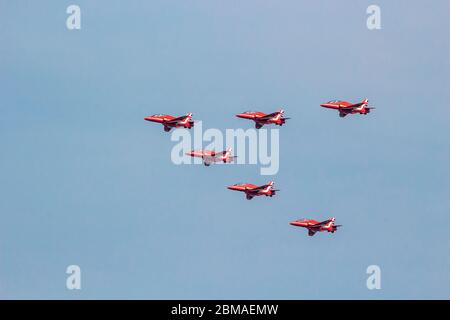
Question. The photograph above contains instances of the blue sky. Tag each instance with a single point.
(86, 181)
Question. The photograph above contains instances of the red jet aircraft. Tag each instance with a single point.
(261, 118)
(314, 226)
(251, 190)
(209, 156)
(345, 107)
(170, 122)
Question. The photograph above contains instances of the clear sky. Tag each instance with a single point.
(85, 180)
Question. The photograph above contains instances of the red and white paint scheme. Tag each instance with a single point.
(261, 118)
(170, 122)
(211, 156)
(314, 226)
(251, 190)
(345, 107)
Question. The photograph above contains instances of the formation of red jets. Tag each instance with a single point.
(260, 118)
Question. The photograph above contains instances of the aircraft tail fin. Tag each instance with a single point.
(329, 223)
(227, 152)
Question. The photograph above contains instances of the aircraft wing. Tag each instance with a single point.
(311, 232)
(268, 116)
(322, 223)
(353, 106)
(176, 120)
(210, 158)
(260, 187)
